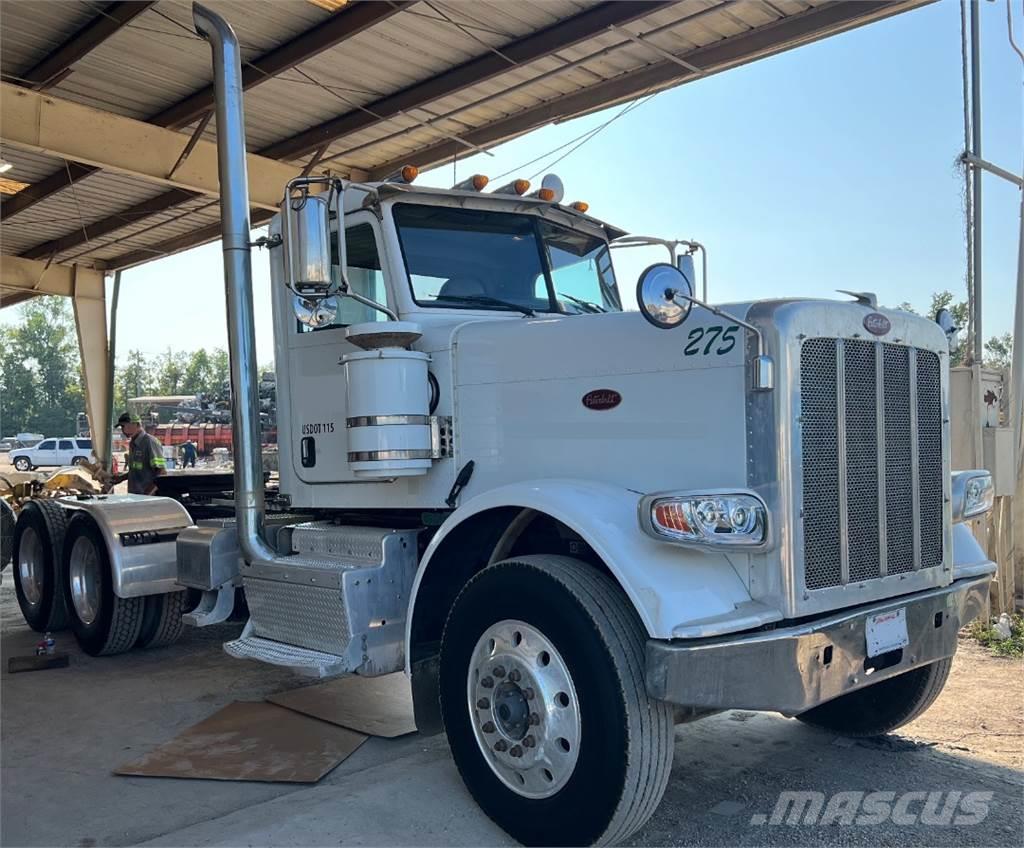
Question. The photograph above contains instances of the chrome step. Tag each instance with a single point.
(300, 660)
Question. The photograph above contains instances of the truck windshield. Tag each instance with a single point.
(474, 259)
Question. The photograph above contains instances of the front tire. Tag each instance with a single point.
(22, 464)
(103, 623)
(881, 708)
(38, 568)
(544, 703)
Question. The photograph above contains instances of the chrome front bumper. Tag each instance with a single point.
(789, 670)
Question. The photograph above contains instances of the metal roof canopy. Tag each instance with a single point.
(106, 106)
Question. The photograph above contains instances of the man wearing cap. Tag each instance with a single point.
(145, 457)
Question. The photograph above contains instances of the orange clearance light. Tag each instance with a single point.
(477, 182)
(514, 187)
(546, 194)
(671, 516)
(580, 205)
(409, 173)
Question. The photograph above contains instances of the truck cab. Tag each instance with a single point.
(571, 524)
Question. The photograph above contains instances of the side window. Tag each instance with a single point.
(85, 444)
(48, 445)
(65, 444)
(365, 276)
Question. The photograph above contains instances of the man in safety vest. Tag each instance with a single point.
(145, 457)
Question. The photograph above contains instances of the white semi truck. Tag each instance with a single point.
(571, 525)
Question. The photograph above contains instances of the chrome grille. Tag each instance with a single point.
(871, 441)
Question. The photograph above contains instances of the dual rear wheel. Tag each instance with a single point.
(63, 579)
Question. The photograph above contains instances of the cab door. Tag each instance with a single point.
(316, 377)
(45, 453)
(65, 452)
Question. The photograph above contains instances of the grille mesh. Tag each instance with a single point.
(862, 407)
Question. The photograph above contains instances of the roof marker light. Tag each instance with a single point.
(515, 187)
(547, 194)
(477, 182)
(405, 174)
(553, 183)
(580, 205)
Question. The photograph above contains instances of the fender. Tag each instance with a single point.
(668, 585)
(140, 532)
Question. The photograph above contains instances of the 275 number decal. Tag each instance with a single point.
(710, 336)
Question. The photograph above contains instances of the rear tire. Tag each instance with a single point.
(103, 623)
(881, 708)
(38, 566)
(79, 460)
(599, 750)
(161, 619)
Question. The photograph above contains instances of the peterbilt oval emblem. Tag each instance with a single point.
(876, 324)
(602, 399)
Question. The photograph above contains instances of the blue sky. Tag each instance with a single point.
(828, 167)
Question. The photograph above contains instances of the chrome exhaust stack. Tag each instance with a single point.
(234, 214)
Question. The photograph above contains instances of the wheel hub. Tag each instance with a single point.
(30, 566)
(524, 709)
(84, 577)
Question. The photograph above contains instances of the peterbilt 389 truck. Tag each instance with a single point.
(572, 525)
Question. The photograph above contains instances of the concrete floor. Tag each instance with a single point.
(63, 731)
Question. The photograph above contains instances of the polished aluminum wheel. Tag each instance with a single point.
(524, 709)
(84, 575)
(31, 566)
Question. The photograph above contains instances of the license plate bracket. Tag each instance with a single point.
(886, 631)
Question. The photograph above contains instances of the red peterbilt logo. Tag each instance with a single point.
(600, 399)
(876, 324)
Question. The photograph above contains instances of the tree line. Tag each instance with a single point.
(41, 388)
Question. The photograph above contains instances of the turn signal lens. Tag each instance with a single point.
(711, 519)
(580, 205)
(973, 494)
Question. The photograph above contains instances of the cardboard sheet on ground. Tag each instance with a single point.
(377, 706)
(251, 741)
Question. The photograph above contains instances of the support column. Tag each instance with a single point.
(90, 305)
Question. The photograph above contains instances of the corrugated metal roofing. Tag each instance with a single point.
(156, 60)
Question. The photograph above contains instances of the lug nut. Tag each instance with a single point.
(488, 727)
(529, 742)
(487, 683)
(483, 703)
(515, 676)
(501, 745)
(534, 719)
(516, 751)
(529, 693)
(499, 671)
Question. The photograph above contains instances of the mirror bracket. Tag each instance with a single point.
(763, 366)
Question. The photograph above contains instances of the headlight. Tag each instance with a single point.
(705, 518)
(973, 494)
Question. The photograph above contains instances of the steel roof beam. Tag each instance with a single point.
(348, 22)
(817, 22)
(484, 67)
(58, 64)
(527, 49)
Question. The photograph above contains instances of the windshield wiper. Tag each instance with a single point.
(486, 300)
(585, 305)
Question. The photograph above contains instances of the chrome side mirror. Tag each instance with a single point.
(664, 295)
(686, 267)
(315, 312)
(944, 318)
(306, 222)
